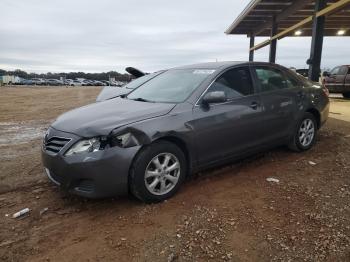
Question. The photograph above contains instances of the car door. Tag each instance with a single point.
(280, 96)
(225, 129)
(331, 79)
(340, 78)
(347, 80)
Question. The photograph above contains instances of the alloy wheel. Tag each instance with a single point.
(306, 132)
(162, 173)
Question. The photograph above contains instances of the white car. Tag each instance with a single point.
(76, 83)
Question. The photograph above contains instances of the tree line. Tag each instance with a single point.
(70, 75)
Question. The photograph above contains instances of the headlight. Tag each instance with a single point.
(99, 143)
(85, 146)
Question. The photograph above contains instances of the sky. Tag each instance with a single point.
(104, 35)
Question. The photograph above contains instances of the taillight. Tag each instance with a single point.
(325, 91)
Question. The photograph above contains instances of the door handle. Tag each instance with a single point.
(254, 105)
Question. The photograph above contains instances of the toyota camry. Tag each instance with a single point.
(181, 121)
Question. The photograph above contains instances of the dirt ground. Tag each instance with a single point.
(340, 108)
(226, 214)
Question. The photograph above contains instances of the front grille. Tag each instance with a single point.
(55, 144)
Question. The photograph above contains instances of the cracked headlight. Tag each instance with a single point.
(85, 146)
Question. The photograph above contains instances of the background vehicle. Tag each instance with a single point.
(76, 83)
(38, 81)
(27, 82)
(10, 79)
(180, 121)
(338, 80)
(86, 82)
(54, 82)
(107, 83)
(68, 81)
(98, 83)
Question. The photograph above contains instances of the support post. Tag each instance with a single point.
(251, 52)
(316, 42)
(273, 44)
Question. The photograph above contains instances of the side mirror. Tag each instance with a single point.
(325, 73)
(214, 97)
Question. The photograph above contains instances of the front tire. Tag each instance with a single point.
(157, 172)
(346, 95)
(305, 134)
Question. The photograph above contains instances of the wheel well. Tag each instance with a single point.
(182, 145)
(316, 114)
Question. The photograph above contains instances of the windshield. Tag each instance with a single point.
(173, 86)
(139, 81)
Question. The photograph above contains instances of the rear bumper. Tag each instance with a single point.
(94, 175)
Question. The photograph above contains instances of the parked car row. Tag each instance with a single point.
(86, 82)
(83, 82)
(66, 82)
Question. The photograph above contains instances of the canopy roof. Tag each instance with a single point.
(256, 18)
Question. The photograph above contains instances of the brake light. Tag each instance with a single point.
(325, 91)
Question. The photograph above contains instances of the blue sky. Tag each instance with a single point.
(104, 35)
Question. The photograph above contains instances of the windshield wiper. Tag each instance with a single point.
(142, 100)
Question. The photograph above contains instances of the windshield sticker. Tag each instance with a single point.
(203, 71)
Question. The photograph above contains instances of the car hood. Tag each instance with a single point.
(101, 118)
(112, 91)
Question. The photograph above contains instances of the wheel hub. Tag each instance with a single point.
(306, 132)
(162, 173)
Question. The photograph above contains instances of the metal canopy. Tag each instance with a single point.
(256, 19)
(280, 18)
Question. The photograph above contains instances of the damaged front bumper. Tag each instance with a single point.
(94, 175)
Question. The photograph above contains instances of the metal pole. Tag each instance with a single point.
(273, 44)
(316, 42)
(251, 44)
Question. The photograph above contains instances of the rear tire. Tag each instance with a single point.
(157, 172)
(305, 134)
(346, 95)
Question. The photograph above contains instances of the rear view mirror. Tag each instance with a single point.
(214, 97)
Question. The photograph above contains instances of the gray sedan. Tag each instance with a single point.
(181, 121)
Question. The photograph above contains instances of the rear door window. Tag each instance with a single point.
(291, 82)
(235, 83)
(271, 79)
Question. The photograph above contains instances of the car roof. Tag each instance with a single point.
(341, 66)
(219, 65)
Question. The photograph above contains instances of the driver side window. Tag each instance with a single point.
(234, 83)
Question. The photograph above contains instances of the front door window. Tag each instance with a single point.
(234, 82)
